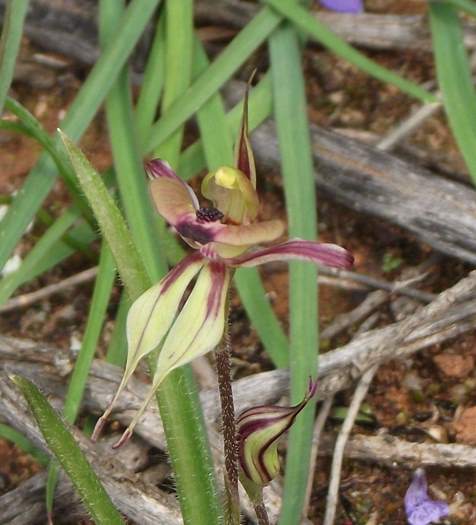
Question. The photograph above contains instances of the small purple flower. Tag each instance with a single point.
(344, 6)
(419, 507)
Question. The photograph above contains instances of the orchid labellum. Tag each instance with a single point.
(225, 234)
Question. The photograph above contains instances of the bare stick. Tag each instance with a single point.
(324, 413)
(399, 287)
(451, 314)
(318, 429)
(376, 299)
(140, 502)
(357, 399)
(27, 299)
(365, 308)
(408, 126)
(388, 450)
(366, 29)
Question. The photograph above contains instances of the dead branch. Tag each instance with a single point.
(388, 450)
(365, 30)
(27, 299)
(141, 503)
(25, 504)
(369, 282)
(451, 314)
(70, 28)
(380, 184)
(338, 457)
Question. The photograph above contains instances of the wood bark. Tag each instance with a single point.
(437, 211)
(450, 315)
(70, 28)
(373, 31)
(387, 450)
(140, 502)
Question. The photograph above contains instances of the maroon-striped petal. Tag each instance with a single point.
(319, 253)
(173, 198)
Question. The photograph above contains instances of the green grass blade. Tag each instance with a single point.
(110, 220)
(77, 383)
(218, 149)
(66, 450)
(217, 141)
(43, 176)
(81, 235)
(96, 317)
(152, 84)
(130, 174)
(261, 315)
(179, 50)
(42, 248)
(290, 111)
(454, 79)
(178, 400)
(13, 19)
(235, 54)
(34, 129)
(18, 439)
(465, 5)
(117, 349)
(304, 21)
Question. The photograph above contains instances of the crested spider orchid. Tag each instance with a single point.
(225, 234)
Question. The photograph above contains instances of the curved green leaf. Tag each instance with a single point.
(67, 451)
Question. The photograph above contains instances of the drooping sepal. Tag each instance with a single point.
(197, 329)
(259, 429)
(149, 319)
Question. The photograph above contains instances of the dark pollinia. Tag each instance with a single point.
(209, 215)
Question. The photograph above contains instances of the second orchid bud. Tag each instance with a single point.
(259, 429)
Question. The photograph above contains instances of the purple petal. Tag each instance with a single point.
(318, 253)
(344, 6)
(158, 170)
(419, 507)
(428, 512)
(417, 492)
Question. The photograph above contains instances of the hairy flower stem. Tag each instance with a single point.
(223, 365)
(261, 513)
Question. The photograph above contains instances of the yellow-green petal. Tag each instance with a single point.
(199, 326)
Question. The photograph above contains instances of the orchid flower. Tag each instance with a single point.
(344, 6)
(224, 235)
(419, 507)
(259, 430)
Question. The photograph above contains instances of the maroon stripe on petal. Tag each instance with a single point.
(157, 168)
(318, 253)
(218, 274)
(179, 268)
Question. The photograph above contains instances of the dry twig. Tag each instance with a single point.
(357, 399)
(27, 299)
(389, 450)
